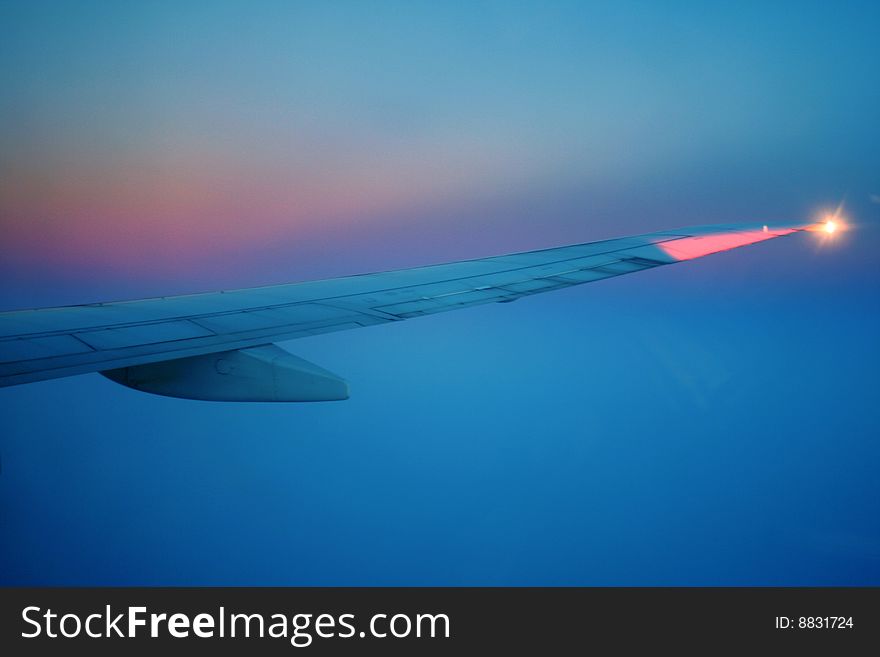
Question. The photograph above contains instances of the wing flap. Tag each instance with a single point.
(142, 334)
(23, 349)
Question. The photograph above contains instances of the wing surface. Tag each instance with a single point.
(56, 342)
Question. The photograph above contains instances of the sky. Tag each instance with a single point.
(710, 423)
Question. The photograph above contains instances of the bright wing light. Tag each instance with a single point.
(829, 224)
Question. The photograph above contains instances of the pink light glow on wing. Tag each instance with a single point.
(697, 246)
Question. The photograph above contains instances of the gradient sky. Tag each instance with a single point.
(714, 422)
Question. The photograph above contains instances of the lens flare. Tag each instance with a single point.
(829, 224)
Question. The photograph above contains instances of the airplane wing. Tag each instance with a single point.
(220, 346)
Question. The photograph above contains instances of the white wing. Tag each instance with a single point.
(218, 345)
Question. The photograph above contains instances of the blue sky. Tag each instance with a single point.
(708, 423)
